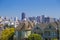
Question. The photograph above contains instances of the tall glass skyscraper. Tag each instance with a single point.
(23, 15)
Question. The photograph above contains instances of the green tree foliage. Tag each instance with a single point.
(7, 33)
(54, 39)
(35, 37)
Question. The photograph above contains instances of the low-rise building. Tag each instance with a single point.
(23, 30)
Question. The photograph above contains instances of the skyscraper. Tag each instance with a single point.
(23, 15)
(15, 18)
(32, 18)
(38, 19)
(42, 18)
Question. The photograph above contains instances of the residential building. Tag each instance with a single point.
(48, 31)
(23, 30)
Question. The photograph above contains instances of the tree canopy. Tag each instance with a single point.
(7, 33)
(35, 37)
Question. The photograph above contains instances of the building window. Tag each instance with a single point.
(37, 28)
(47, 33)
(49, 26)
(34, 32)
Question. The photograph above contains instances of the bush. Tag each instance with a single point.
(54, 39)
(7, 33)
(35, 37)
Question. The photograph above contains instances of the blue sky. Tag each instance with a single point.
(30, 7)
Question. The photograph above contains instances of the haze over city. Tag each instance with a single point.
(30, 7)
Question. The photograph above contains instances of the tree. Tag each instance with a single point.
(7, 33)
(35, 37)
(54, 39)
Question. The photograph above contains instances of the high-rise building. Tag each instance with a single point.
(38, 19)
(52, 19)
(47, 19)
(15, 18)
(42, 18)
(23, 15)
(0, 19)
(32, 18)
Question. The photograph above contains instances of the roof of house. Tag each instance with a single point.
(44, 25)
(25, 25)
(28, 25)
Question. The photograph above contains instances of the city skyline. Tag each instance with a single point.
(30, 8)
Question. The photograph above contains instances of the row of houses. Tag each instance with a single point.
(46, 30)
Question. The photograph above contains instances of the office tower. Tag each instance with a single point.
(15, 18)
(32, 18)
(38, 19)
(23, 15)
(52, 19)
(47, 19)
(0, 19)
(42, 18)
(16, 23)
(6, 18)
